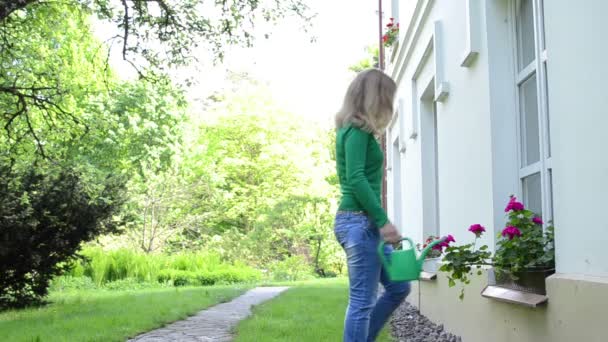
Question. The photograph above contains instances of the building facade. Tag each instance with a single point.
(501, 97)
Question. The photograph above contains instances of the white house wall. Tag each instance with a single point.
(576, 38)
(478, 158)
(464, 142)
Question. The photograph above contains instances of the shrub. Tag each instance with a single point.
(291, 268)
(227, 276)
(108, 266)
(45, 215)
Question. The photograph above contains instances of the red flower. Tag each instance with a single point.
(511, 232)
(384, 38)
(477, 229)
(514, 205)
(389, 25)
(392, 19)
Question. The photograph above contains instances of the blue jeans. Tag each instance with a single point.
(366, 314)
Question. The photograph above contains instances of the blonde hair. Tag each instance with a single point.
(368, 103)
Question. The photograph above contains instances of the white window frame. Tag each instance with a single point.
(538, 68)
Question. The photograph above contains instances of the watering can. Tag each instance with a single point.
(402, 265)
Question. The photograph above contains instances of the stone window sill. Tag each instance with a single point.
(512, 296)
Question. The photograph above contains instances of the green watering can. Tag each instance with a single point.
(403, 265)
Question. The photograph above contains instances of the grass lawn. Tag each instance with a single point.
(99, 315)
(309, 311)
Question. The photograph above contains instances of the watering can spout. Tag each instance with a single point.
(426, 251)
(403, 265)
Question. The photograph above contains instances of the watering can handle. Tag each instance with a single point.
(381, 250)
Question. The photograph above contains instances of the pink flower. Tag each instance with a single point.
(514, 205)
(537, 220)
(438, 247)
(389, 25)
(445, 243)
(477, 229)
(511, 232)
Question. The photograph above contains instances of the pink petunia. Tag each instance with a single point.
(537, 220)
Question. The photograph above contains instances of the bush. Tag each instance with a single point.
(228, 276)
(291, 269)
(45, 215)
(181, 269)
(108, 266)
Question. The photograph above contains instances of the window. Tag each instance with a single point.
(531, 81)
(396, 186)
(395, 10)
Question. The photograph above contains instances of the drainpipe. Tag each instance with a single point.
(383, 138)
(380, 43)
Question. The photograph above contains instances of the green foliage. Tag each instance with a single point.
(291, 269)
(250, 193)
(42, 41)
(232, 275)
(523, 245)
(120, 268)
(533, 249)
(69, 283)
(370, 61)
(131, 284)
(459, 261)
(45, 214)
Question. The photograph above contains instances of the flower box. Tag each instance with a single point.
(431, 265)
(531, 280)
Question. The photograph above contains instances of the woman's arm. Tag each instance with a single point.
(355, 150)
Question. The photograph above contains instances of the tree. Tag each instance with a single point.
(64, 161)
(371, 61)
(44, 217)
(260, 183)
(154, 35)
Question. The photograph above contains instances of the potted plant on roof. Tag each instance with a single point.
(390, 39)
(524, 255)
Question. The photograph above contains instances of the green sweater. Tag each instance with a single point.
(359, 162)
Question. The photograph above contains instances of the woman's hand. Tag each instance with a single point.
(390, 234)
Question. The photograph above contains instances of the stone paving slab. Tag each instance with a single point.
(213, 324)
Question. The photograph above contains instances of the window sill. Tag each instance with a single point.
(426, 276)
(511, 296)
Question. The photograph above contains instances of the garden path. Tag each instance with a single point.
(213, 324)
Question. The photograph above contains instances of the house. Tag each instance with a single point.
(501, 97)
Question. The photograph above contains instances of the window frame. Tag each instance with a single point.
(537, 67)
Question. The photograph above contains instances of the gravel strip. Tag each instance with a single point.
(408, 325)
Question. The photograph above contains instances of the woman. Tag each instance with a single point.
(361, 221)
